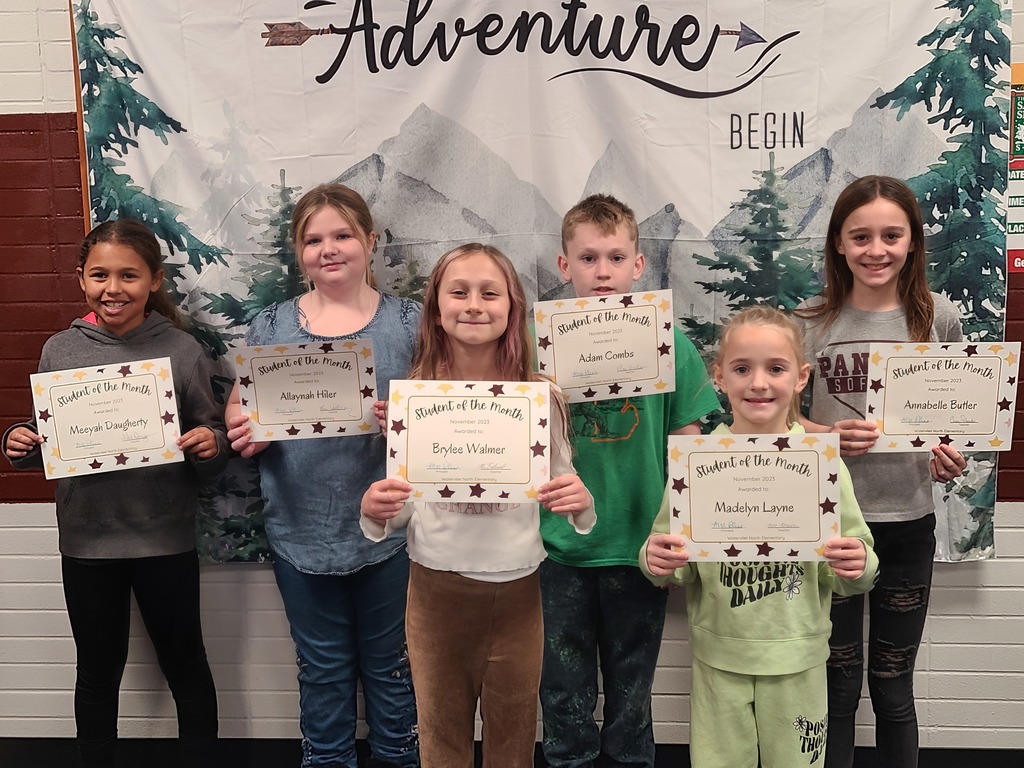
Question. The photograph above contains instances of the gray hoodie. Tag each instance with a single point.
(139, 512)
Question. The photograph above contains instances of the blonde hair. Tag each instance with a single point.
(350, 206)
(763, 316)
(604, 212)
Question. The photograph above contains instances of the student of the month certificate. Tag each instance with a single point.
(108, 418)
(298, 391)
(607, 347)
(754, 497)
(960, 394)
(484, 441)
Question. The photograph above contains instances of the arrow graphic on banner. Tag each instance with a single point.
(291, 33)
(746, 36)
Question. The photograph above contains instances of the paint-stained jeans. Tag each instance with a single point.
(897, 605)
(349, 628)
(611, 612)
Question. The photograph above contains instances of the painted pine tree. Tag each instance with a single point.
(963, 86)
(114, 113)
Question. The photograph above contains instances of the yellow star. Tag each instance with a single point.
(364, 426)
(660, 385)
(49, 468)
(280, 349)
(540, 316)
(72, 469)
(396, 396)
(403, 471)
(675, 454)
(582, 303)
(1011, 358)
(55, 376)
(699, 440)
(898, 347)
(420, 385)
(168, 454)
(445, 387)
(995, 442)
(55, 453)
(255, 416)
(239, 360)
(80, 375)
(995, 349)
(268, 434)
(349, 345)
(835, 528)
(539, 399)
(892, 444)
(164, 373)
(664, 306)
(365, 352)
(38, 389)
(704, 553)
(686, 532)
(876, 358)
(881, 425)
(522, 389)
(649, 297)
(530, 493)
(829, 453)
(725, 442)
(417, 494)
(821, 551)
(810, 440)
(922, 348)
(559, 303)
(148, 366)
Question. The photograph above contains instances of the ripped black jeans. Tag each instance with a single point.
(898, 605)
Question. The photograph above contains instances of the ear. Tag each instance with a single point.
(803, 378)
(839, 245)
(371, 242)
(638, 266)
(563, 267)
(158, 281)
(716, 376)
(81, 278)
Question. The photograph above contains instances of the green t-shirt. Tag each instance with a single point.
(620, 454)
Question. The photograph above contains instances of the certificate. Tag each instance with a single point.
(960, 394)
(754, 497)
(104, 419)
(482, 441)
(299, 391)
(606, 347)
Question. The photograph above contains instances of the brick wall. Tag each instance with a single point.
(41, 224)
(1011, 465)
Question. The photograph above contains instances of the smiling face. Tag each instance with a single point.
(117, 284)
(334, 252)
(875, 240)
(759, 373)
(600, 263)
(473, 302)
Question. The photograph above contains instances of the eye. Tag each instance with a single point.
(618, 258)
(312, 241)
(741, 369)
(588, 259)
(777, 369)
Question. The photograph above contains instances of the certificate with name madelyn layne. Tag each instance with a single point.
(107, 418)
(482, 441)
(960, 394)
(607, 347)
(300, 391)
(754, 497)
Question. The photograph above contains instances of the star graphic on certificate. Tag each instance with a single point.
(764, 549)
(497, 389)
(328, 347)
(971, 350)
(366, 391)
(168, 394)
(397, 426)
(446, 492)
(782, 443)
(544, 342)
(917, 442)
(793, 553)
(1004, 404)
(946, 440)
(827, 506)
(125, 370)
(292, 430)
(732, 551)
(614, 389)
(168, 417)
(588, 392)
(876, 385)
(626, 301)
(537, 449)
(95, 463)
(833, 478)
(679, 484)
(44, 415)
(476, 490)
(245, 381)
(121, 459)
(664, 349)
(318, 428)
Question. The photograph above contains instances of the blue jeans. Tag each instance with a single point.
(347, 628)
(898, 606)
(613, 612)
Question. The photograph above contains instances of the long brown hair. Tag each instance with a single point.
(137, 236)
(912, 284)
(350, 206)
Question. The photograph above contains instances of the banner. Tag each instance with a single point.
(730, 127)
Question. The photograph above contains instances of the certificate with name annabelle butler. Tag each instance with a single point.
(754, 497)
(482, 441)
(107, 418)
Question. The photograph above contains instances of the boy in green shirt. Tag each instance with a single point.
(594, 595)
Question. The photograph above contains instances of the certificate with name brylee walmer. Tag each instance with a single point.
(107, 418)
(300, 391)
(483, 441)
(754, 497)
(607, 347)
(956, 393)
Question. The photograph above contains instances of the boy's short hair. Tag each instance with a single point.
(603, 211)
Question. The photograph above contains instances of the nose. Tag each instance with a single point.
(603, 270)
(876, 247)
(759, 380)
(113, 285)
(473, 302)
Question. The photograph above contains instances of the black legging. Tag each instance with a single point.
(97, 593)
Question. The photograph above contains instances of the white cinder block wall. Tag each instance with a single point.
(970, 679)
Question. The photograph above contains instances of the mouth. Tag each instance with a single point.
(877, 267)
(760, 400)
(113, 306)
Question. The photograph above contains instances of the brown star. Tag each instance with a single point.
(168, 417)
(397, 426)
(476, 490)
(764, 549)
(537, 449)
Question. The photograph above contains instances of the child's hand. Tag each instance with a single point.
(21, 441)
(385, 499)
(564, 495)
(380, 411)
(846, 556)
(947, 462)
(200, 442)
(240, 436)
(665, 553)
(855, 436)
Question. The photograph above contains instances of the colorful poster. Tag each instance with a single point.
(730, 127)
(108, 418)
